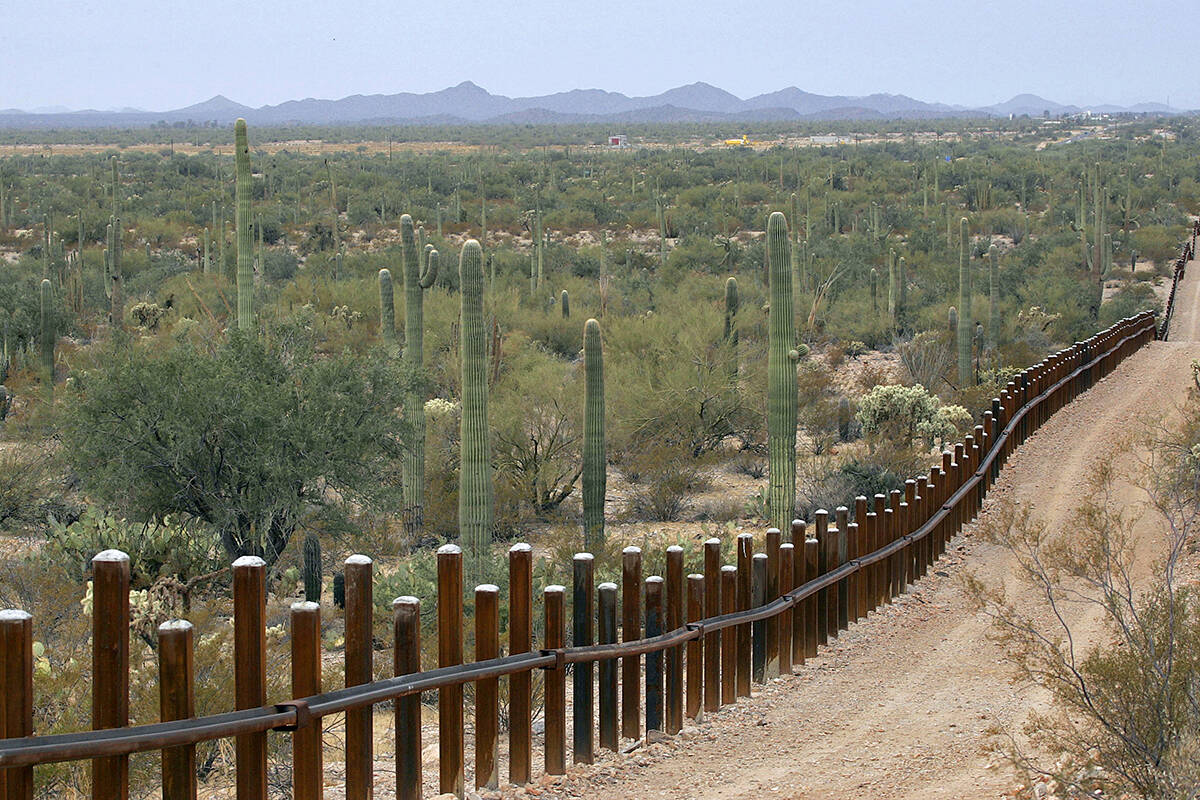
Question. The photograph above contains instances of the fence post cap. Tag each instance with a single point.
(631, 550)
(449, 550)
(406, 600)
(166, 627)
(521, 547)
(712, 540)
(249, 561)
(584, 557)
(110, 556)
(14, 615)
(305, 605)
(357, 559)
(674, 549)
(487, 588)
(656, 579)
(607, 586)
(555, 588)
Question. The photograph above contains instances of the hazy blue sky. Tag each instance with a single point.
(167, 54)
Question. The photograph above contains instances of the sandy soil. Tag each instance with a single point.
(902, 704)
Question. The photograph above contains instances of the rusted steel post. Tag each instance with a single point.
(969, 462)
(606, 624)
(812, 611)
(674, 612)
(176, 700)
(946, 481)
(631, 630)
(798, 579)
(919, 557)
(826, 598)
(910, 524)
(861, 546)
(359, 667)
(745, 551)
(451, 759)
(713, 642)
(308, 774)
(871, 544)
(977, 451)
(729, 636)
(582, 723)
(556, 683)
(406, 660)
(758, 629)
(786, 584)
(487, 691)
(520, 639)
(654, 660)
(110, 670)
(695, 648)
(16, 702)
(895, 525)
(771, 591)
(843, 555)
(882, 531)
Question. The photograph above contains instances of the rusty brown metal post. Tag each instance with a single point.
(713, 642)
(812, 611)
(308, 774)
(881, 540)
(406, 660)
(786, 584)
(759, 568)
(729, 636)
(16, 700)
(827, 597)
(745, 598)
(695, 648)
(487, 691)
(359, 669)
(250, 670)
(520, 639)
(675, 615)
(861, 546)
(798, 579)
(631, 631)
(176, 700)
(110, 669)
(582, 600)
(606, 624)
(919, 559)
(451, 758)
(556, 682)
(654, 659)
(774, 539)
(843, 554)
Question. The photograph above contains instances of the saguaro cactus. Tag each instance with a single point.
(312, 568)
(387, 307)
(993, 293)
(781, 376)
(595, 459)
(475, 491)
(964, 306)
(245, 262)
(731, 332)
(874, 290)
(46, 337)
(565, 302)
(419, 275)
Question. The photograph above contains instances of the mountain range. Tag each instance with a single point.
(468, 103)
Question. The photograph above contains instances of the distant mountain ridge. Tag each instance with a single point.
(469, 103)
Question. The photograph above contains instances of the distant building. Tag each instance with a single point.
(618, 140)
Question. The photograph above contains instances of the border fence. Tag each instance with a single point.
(689, 643)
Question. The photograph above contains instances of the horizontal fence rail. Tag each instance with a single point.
(750, 621)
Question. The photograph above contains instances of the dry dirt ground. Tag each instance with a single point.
(901, 706)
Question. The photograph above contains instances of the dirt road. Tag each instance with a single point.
(901, 706)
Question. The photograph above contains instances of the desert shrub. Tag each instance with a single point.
(902, 414)
(279, 264)
(30, 487)
(666, 478)
(927, 358)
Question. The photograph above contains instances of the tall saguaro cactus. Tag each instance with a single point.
(731, 331)
(595, 459)
(419, 275)
(245, 258)
(387, 307)
(781, 376)
(46, 335)
(115, 294)
(964, 306)
(475, 491)
(993, 294)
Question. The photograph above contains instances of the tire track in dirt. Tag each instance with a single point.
(901, 705)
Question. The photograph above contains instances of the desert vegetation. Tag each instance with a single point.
(204, 357)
